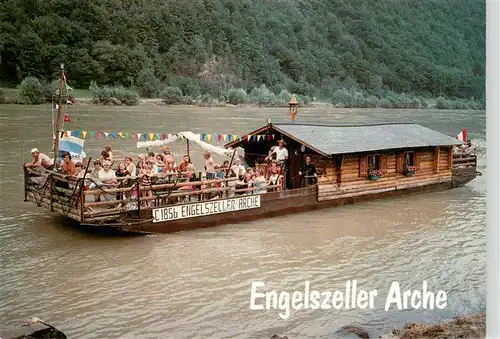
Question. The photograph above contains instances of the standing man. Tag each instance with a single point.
(281, 153)
(308, 173)
(209, 166)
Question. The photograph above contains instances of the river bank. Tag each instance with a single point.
(261, 97)
(470, 326)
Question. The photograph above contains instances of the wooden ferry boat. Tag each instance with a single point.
(353, 163)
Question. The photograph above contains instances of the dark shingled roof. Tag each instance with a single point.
(352, 139)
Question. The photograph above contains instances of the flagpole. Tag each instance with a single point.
(58, 119)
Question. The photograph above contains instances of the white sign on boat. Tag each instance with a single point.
(200, 209)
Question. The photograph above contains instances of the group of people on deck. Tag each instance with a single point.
(465, 148)
(278, 155)
(148, 168)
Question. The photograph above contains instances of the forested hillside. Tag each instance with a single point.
(312, 47)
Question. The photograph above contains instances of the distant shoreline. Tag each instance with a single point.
(84, 97)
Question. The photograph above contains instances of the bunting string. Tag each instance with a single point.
(149, 136)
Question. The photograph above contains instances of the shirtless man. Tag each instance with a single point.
(40, 160)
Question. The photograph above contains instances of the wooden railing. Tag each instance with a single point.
(462, 160)
(72, 197)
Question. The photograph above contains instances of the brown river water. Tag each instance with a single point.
(197, 284)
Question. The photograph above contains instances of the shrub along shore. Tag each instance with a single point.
(32, 92)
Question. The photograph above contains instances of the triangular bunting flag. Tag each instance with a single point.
(209, 137)
(202, 136)
(113, 135)
(77, 133)
(158, 136)
(219, 137)
(258, 137)
(84, 134)
(224, 136)
(229, 137)
(126, 134)
(163, 136)
(214, 136)
(235, 137)
(91, 133)
(145, 135)
(106, 134)
(99, 135)
(151, 136)
(134, 136)
(121, 135)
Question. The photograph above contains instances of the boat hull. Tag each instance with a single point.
(272, 205)
(462, 176)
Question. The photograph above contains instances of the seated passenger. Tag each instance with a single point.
(160, 163)
(231, 185)
(185, 162)
(107, 176)
(247, 177)
(220, 172)
(40, 160)
(153, 165)
(108, 179)
(79, 170)
(238, 168)
(131, 168)
(68, 166)
(273, 169)
(259, 182)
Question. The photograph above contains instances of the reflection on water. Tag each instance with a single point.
(197, 284)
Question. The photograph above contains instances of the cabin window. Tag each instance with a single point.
(373, 162)
(409, 159)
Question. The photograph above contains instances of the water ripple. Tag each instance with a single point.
(197, 284)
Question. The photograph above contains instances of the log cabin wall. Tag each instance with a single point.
(326, 169)
(353, 176)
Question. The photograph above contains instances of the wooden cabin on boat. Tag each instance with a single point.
(362, 160)
(353, 163)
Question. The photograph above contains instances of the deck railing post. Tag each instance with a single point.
(138, 200)
(82, 200)
(52, 184)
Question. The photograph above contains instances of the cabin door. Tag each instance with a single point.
(294, 180)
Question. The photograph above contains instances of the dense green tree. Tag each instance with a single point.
(434, 47)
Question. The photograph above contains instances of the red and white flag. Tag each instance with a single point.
(462, 135)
